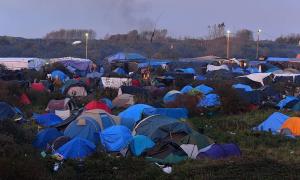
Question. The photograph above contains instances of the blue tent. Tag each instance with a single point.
(171, 96)
(115, 138)
(86, 128)
(285, 101)
(177, 113)
(278, 59)
(252, 70)
(119, 71)
(77, 148)
(133, 114)
(47, 120)
(242, 86)
(139, 144)
(200, 78)
(186, 70)
(186, 89)
(46, 136)
(57, 73)
(121, 56)
(152, 63)
(6, 111)
(238, 70)
(108, 102)
(209, 100)
(204, 89)
(273, 123)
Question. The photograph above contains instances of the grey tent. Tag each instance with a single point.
(158, 127)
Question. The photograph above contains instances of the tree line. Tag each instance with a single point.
(152, 44)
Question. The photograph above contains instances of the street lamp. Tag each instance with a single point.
(257, 42)
(228, 42)
(86, 44)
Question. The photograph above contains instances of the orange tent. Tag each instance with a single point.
(293, 124)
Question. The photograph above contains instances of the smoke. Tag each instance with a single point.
(132, 14)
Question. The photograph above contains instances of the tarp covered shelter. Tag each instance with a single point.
(60, 75)
(132, 115)
(203, 89)
(123, 57)
(171, 96)
(47, 120)
(273, 123)
(115, 138)
(140, 144)
(177, 113)
(220, 151)
(77, 148)
(242, 86)
(75, 65)
(22, 63)
(46, 137)
(158, 127)
(8, 112)
(209, 100)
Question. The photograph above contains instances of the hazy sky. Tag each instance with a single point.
(34, 18)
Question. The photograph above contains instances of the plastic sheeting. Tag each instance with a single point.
(115, 138)
(215, 68)
(204, 89)
(139, 144)
(209, 100)
(77, 148)
(46, 136)
(47, 120)
(177, 113)
(242, 86)
(285, 101)
(133, 114)
(273, 123)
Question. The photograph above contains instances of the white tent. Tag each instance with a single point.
(22, 63)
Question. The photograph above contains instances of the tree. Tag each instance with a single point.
(70, 34)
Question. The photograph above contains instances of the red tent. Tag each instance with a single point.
(136, 83)
(97, 105)
(38, 87)
(298, 56)
(24, 99)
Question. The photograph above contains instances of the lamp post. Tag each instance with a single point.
(86, 44)
(228, 42)
(257, 43)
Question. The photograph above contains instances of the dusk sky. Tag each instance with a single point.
(34, 18)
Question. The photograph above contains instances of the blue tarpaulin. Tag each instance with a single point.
(186, 89)
(57, 73)
(121, 56)
(133, 114)
(285, 101)
(200, 78)
(187, 70)
(171, 96)
(115, 138)
(242, 86)
(47, 120)
(273, 123)
(46, 136)
(237, 70)
(204, 89)
(6, 111)
(177, 113)
(86, 128)
(252, 70)
(139, 144)
(209, 100)
(77, 148)
(119, 71)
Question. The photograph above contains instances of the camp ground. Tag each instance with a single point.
(164, 113)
